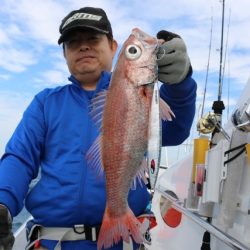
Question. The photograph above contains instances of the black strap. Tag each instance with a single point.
(243, 149)
(235, 156)
(88, 232)
(235, 148)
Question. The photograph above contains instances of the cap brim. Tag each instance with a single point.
(79, 27)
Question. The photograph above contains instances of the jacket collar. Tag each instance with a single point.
(103, 82)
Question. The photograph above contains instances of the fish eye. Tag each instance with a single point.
(133, 52)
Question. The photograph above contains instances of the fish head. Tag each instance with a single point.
(138, 58)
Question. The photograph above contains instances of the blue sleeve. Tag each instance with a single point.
(20, 162)
(181, 98)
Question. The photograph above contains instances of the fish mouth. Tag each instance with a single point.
(154, 76)
(152, 67)
(154, 80)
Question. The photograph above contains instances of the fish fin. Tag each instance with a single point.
(93, 157)
(166, 113)
(114, 229)
(141, 175)
(97, 107)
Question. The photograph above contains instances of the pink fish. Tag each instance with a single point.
(125, 134)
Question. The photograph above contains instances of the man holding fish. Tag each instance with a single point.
(89, 139)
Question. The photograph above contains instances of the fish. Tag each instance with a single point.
(125, 133)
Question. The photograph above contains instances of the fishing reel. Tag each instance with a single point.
(207, 124)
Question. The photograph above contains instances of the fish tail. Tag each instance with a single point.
(114, 229)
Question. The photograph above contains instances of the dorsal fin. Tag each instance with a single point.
(93, 155)
(97, 107)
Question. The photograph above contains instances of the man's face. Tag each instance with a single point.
(88, 53)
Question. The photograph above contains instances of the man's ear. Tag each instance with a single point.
(63, 49)
(114, 47)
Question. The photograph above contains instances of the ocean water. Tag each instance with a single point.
(20, 219)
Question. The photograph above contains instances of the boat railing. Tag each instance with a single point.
(219, 234)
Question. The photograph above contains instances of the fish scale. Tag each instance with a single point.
(125, 134)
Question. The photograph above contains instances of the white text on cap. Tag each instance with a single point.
(80, 16)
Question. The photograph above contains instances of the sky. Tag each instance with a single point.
(31, 59)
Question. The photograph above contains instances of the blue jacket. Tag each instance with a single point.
(55, 133)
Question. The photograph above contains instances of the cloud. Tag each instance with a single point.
(3, 37)
(39, 19)
(14, 60)
(56, 75)
(5, 76)
(14, 56)
(51, 78)
(12, 105)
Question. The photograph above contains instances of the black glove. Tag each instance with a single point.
(6, 236)
(173, 61)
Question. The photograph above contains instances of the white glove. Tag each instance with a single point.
(173, 60)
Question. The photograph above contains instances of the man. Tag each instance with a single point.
(56, 132)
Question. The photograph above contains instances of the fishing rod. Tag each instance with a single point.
(226, 47)
(221, 51)
(224, 66)
(208, 64)
(218, 106)
(211, 123)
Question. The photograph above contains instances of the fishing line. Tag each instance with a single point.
(208, 64)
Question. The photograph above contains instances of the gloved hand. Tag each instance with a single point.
(6, 236)
(173, 60)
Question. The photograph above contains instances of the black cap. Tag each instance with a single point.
(87, 17)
